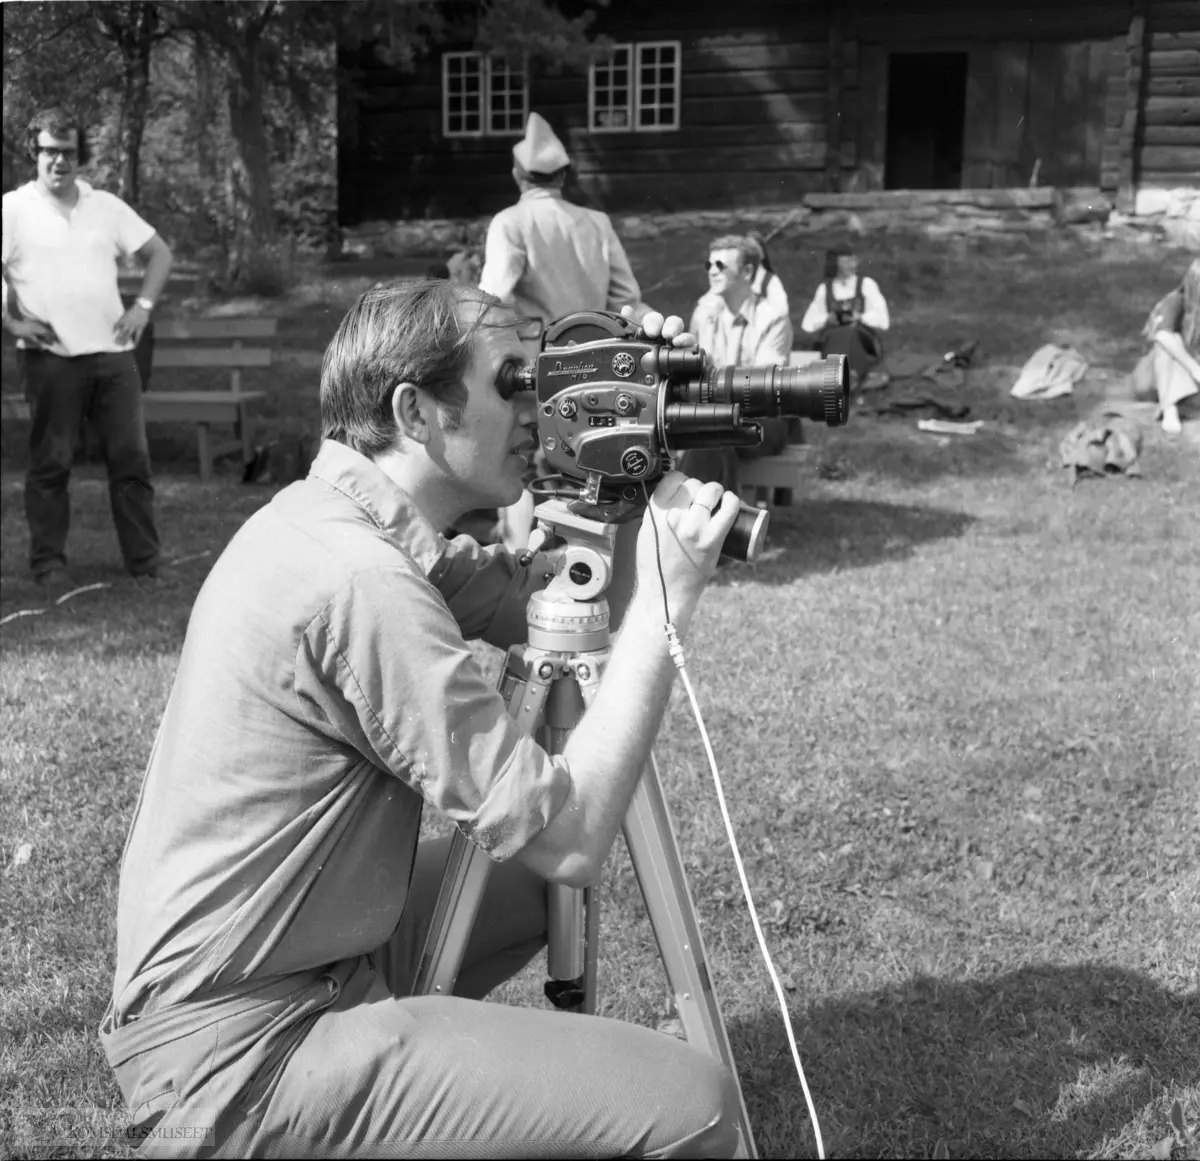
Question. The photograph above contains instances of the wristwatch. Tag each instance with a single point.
(145, 303)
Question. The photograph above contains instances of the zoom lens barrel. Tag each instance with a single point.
(819, 390)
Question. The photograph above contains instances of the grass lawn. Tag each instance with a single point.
(955, 713)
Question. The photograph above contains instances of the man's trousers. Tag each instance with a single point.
(376, 1072)
(104, 389)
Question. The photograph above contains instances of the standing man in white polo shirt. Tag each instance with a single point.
(62, 242)
(547, 257)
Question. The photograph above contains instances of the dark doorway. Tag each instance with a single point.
(927, 98)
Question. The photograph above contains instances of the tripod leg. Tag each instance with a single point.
(458, 900)
(658, 865)
(573, 915)
(467, 870)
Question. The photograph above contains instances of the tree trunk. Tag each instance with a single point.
(134, 36)
(205, 132)
(254, 235)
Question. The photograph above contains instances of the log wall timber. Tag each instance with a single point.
(1168, 147)
(1135, 56)
(833, 107)
(1116, 98)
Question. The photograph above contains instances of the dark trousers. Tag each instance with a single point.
(858, 343)
(106, 390)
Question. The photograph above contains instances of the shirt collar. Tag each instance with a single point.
(744, 314)
(530, 195)
(387, 505)
(84, 188)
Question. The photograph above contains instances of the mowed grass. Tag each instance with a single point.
(955, 714)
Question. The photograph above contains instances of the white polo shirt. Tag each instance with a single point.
(63, 267)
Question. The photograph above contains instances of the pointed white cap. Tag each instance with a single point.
(540, 150)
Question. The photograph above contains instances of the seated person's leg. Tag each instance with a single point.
(848, 341)
(438, 1076)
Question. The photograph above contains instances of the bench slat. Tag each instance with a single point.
(214, 328)
(197, 407)
(211, 357)
(166, 406)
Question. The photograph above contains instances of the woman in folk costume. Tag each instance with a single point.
(547, 257)
(847, 315)
(1174, 362)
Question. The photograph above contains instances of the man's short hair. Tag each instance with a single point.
(547, 179)
(750, 253)
(411, 332)
(405, 332)
(58, 121)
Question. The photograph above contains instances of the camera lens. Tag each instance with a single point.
(818, 390)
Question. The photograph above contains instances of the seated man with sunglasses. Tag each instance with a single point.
(738, 327)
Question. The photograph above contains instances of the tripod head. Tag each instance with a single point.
(571, 615)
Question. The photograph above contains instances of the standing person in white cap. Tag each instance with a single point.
(547, 257)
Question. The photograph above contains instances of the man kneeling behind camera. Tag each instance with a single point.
(274, 899)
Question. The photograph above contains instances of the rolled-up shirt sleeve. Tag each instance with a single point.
(504, 260)
(623, 289)
(774, 343)
(487, 591)
(384, 668)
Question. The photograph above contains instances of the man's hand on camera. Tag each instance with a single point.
(692, 520)
(656, 326)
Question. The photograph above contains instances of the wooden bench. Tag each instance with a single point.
(203, 408)
(759, 479)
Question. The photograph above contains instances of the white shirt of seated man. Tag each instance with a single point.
(735, 326)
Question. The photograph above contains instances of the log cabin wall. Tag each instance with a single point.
(1037, 86)
(1167, 143)
(752, 127)
(781, 98)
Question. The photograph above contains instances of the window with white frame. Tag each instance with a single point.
(635, 87)
(483, 96)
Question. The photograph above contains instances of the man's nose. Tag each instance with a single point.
(526, 407)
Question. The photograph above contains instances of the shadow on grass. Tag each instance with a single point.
(830, 534)
(1041, 1062)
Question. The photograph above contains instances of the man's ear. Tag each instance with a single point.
(409, 412)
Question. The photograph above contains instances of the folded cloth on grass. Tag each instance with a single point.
(1107, 444)
(1050, 372)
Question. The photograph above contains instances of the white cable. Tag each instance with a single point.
(676, 650)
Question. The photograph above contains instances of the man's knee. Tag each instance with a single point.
(720, 1135)
(710, 1127)
(50, 462)
(129, 463)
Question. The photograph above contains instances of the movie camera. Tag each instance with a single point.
(613, 407)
